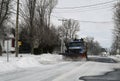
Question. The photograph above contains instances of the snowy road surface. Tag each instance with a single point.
(40, 73)
(64, 71)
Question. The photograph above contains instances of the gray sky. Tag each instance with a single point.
(102, 31)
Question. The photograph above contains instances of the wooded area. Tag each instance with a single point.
(39, 34)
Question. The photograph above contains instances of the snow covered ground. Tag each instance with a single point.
(50, 67)
(116, 57)
(26, 61)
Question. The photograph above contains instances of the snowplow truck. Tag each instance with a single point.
(76, 49)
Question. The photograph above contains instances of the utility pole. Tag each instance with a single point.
(16, 31)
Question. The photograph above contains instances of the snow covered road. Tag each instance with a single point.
(61, 70)
(47, 73)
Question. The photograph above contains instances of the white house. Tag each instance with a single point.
(8, 44)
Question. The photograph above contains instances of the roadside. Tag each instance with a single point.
(25, 61)
(108, 76)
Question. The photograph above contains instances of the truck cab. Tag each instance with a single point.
(76, 48)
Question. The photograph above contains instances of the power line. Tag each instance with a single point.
(104, 22)
(86, 5)
(85, 10)
(97, 21)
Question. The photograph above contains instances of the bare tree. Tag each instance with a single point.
(31, 7)
(4, 10)
(94, 47)
(5, 7)
(116, 31)
(28, 14)
(69, 29)
(37, 14)
(114, 46)
(43, 12)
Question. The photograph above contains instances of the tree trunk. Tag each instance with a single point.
(0, 50)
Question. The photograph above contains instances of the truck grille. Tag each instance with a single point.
(76, 51)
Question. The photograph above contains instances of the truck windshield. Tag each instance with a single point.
(76, 44)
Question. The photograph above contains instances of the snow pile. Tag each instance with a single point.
(28, 62)
(50, 58)
(17, 64)
(116, 57)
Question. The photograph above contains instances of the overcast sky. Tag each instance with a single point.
(101, 15)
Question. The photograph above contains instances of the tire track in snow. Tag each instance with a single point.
(40, 73)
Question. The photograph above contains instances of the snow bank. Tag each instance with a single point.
(17, 64)
(118, 56)
(115, 57)
(27, 61)
(50, 58)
